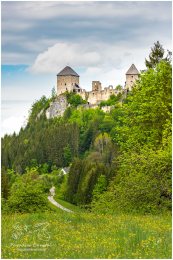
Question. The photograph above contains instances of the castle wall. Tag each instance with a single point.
(97, 94)
(83, 94)
(66, 83)
(95, 97)
(130, 81)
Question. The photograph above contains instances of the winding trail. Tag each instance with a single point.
(51, 199)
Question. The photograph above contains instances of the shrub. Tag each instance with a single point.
(27, 194)
(75, 99)
(113, 100)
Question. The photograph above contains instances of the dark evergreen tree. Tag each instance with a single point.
(67, 155)
(4, 184)
(155, 56)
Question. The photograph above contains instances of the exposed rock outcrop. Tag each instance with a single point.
(57, 107)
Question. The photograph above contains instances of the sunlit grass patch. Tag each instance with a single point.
(85, 235)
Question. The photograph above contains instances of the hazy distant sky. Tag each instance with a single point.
(100, 40)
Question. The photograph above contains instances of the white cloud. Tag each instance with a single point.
(62, 54)
(14, 114)
(12, 124)
(93, 57)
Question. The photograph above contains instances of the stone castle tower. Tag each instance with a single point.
(131, 76)
(67, 80)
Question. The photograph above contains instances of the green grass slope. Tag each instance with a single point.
(59, 234)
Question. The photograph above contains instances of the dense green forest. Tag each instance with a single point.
(119, 161)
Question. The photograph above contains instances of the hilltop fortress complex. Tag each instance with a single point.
(68, 80)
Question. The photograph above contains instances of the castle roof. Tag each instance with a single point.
(67, 71)
(132, 70)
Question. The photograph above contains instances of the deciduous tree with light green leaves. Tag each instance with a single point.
(143, 132)
(27, 194)
(147, 113)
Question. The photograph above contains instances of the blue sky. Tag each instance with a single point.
(100, 40)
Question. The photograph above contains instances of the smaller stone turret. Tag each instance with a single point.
(96, 86)
(131, 76)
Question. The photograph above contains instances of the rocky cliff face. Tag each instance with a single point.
(57, 107)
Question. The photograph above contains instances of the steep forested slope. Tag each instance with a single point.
(120, 160)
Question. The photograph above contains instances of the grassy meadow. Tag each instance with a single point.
(81, 234)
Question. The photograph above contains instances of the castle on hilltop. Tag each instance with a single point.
(68, 80)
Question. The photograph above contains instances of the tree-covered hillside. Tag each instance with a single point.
(119, 161)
